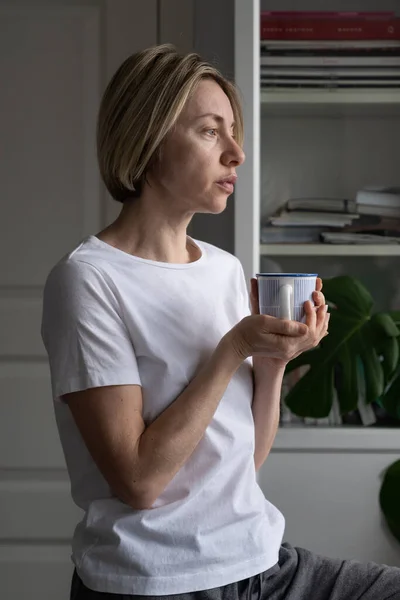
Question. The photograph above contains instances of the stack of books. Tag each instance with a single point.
(372, 217)
(304, 220)
(378, 208)
(310, 49)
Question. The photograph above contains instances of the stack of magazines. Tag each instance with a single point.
(372, 217)
(309, 49)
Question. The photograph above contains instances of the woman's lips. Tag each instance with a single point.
(227, 186)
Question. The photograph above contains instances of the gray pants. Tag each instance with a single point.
(300, 575)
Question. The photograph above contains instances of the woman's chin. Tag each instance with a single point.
(214, 206)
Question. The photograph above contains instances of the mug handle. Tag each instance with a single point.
(285, 301)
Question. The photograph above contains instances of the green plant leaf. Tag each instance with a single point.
(347, 380)
(389, 350)
(354, 334)
(373, 370)
(348, 295)
(384, 325)
(307, 358)
(395, 315)
(389, 498)
(313, 379)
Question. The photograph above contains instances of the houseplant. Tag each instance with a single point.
(359, 339)
(389, 498)
(361, 343)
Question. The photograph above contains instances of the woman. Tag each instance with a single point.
(166, 389)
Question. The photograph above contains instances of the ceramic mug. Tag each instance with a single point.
(283, 295)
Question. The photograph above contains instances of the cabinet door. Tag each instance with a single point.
(55, 60)
(330, 499)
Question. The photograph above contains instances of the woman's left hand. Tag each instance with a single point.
(316, 319)
(318, 297)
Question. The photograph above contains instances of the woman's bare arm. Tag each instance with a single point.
(139, 462)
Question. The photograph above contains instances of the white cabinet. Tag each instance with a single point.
(325, 481)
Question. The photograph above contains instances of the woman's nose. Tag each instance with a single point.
(234, 154)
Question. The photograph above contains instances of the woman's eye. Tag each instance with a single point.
(212, 132)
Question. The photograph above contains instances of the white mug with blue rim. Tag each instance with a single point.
(283, 295)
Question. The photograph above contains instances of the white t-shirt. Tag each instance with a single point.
(111, 318)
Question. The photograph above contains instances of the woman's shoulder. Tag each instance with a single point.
(79, 265)
(216, 253)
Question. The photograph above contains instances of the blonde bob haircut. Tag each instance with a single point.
(140, 105)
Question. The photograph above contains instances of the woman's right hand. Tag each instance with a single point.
(262, 335)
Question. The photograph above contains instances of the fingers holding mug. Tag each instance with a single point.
(310, 315)
(254, 302)
(318, 298)
(327, 317)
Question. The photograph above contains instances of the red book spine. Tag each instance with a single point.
(325, 14)
(325, 29)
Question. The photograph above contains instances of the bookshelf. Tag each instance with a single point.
(329, 250)
(358, 131)
(314, 138)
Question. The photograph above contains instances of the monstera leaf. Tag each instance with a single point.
(391, 397)
(389, 498)
(359, 344)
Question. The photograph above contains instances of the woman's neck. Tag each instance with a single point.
(149, 234)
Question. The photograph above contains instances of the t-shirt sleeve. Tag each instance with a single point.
(244, 297)
(87, 342)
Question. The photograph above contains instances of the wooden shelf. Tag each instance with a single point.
(329, 250)
(337, 439)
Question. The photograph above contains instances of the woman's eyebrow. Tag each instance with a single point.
(216, 117)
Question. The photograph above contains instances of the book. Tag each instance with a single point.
(330, 72)
(274, 234)
(321, 28)
(330, 76)
(295, 218)
(333, 60)
(382, 211)
(337, 205)
(326, 14)
(344, 50)
(375, 224)
(379, 197)
(314, 83)
(369, 215)
(334, 237)
(341, 205)
(265, 45)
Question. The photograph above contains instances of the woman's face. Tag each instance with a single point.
(199, 157)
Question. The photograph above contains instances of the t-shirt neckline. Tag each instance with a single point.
(164, 265)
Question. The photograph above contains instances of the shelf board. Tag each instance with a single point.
(337, 102)
(337, 439)
(329, 250)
